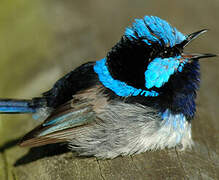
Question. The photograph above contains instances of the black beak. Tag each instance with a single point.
(197, 55)
(192, 36)
(189, 39)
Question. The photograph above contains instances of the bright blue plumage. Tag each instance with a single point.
(15, 106)
(162, 31)
(160, 70)
(120, 88)
(16, 110)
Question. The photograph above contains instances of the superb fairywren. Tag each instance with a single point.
(140, 97)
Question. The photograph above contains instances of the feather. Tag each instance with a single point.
(16, 106)
(66, 119)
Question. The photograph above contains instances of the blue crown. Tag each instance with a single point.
(154, 30)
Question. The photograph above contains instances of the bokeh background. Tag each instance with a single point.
(42, 40)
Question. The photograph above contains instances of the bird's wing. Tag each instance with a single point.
(65, 121)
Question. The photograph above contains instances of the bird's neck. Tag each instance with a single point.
(179, 94)
(185, 87)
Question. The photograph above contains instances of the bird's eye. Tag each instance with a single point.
(165, 53)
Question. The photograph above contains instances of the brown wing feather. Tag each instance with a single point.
(85, 102)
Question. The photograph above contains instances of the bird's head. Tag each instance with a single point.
(149, 61)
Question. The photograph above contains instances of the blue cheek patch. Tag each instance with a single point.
(160, 70)
(162, 31)
(118, 87)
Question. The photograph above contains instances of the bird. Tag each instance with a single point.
(139, 97)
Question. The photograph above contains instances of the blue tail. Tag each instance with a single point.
(8, 106)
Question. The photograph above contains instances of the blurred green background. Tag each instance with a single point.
(42, 40)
